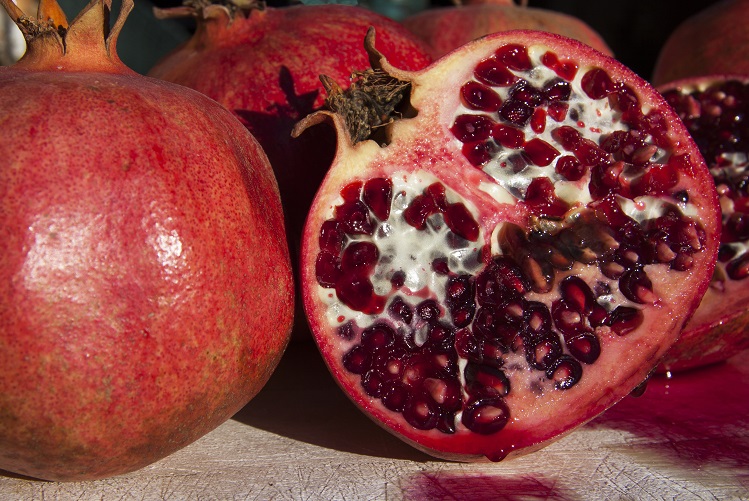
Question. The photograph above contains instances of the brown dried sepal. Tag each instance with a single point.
(371, 101)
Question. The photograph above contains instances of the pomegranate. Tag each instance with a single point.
(447, 28)
(714, 110)
(711, 42)
(507, 245)
(146, 292)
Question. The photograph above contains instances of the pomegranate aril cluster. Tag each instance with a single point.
(528, 114)
(443, 348)
(716, 116)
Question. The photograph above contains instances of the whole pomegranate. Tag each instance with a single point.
(715, 110)
(447, 28)
(146, 292)
(712, 42)
(264, 63)
(507, 246)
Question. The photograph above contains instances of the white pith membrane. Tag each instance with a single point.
(403, 248)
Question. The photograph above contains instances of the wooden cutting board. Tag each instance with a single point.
(686, 438)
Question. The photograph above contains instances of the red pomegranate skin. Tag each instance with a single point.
(447, 28)
(265, 67)
(145, 284)
(712, 42)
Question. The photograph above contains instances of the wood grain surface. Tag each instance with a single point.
(686, 438)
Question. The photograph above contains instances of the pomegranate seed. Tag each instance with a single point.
(400, 310)
(346, 331)
(542, 200)
(378, 194)
(570, 168)
(584, 347)
(428, 310)
(738, 269)
(353, 217)
(360, 257)
(479, 154)
(479, 97)
(558, 111)
(331, 237)
(624, 320)
(516, 112)
(540, 152)
(461, 222)
(419, 210)
(486, 416)
(597, 84)
(357, 293)
(508, 136)
(377, 337)
(538, 120)
(493, 72)
(327, 269)
(472, 128)
(356, 360)
(515, 57)
(565, 371)
(526, 93)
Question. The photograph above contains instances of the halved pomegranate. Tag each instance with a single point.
(511, 251)
(715, 110)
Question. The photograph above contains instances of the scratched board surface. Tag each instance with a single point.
(686, 438)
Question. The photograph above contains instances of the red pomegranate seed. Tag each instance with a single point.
(514, 56)
(565, 69)
(472, 128)
(480, 153)
(420, 209)
(378, 195)
(570, 167)
(331, 237)
(538, 120)
(357, 293)
(480, 97)
(493, 72)
(461, 222)
(540, 152)
(516, 112)
(360, 257)
(508, 136)
(597, 84)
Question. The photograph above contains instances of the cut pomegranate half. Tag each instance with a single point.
(511, 251)
(715, 110)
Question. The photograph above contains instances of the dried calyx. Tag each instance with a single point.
(56, 44)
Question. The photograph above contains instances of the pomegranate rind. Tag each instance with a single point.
(719, 328)
(426, 141)
(711, 42)
(145, 283)
(446, 28)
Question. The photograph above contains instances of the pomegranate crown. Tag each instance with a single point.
(53, 43)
